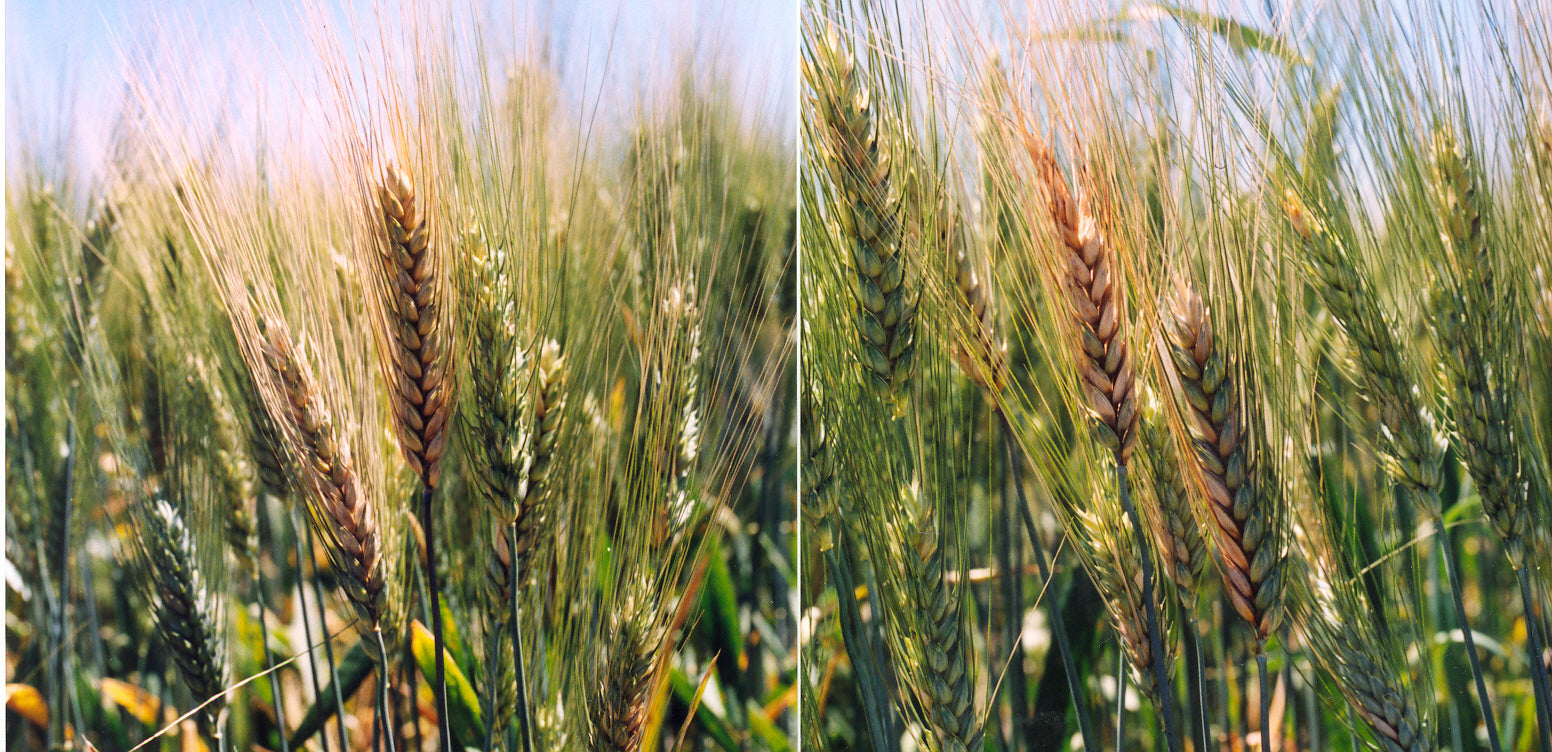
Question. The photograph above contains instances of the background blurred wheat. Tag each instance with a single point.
(487, 347)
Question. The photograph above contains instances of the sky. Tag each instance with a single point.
(64, 61)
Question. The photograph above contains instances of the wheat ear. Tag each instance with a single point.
(185, 609)
(980, 354)
(338, 510)
(1412, 450)
(1247, 522)
(618, 708)
(947, 690)
(1089, 274)
(417, 361)
(1480, 316)
(869, 214)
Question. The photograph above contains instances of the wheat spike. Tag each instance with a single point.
(947, 687)
(1091, 278)
(417, 361)
(869, 214)
(618, 708)
(1247, 526)
(1375, 684)
(1413, 452)
(1473, 328)
(185, 610)
(981, 355)
(339, 512)
(1112, 556)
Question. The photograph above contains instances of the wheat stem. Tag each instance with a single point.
(1264, 696)
(1121, 676)
(1538, 666)
(1447, 548)
(1058, 626)
(434, 593)
(876, 707)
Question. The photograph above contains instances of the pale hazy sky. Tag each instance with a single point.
(64, 60)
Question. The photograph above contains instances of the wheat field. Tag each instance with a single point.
(809, 374)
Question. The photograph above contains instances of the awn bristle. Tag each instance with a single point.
(1247, 524)
(869, 214)
(339, 513)
(418, 361)
(1413, 453)
(1091, 276)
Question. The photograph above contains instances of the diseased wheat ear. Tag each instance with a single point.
(418, 357)
(1090, 276)
(1247, 524)
(869, 214)
(340, 514)
(1412, 449)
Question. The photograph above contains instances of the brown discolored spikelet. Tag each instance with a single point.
(417, 338)
(1090, 276)
(1245, 526)
(339, 513)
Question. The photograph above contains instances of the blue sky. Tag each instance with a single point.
(65, 60)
